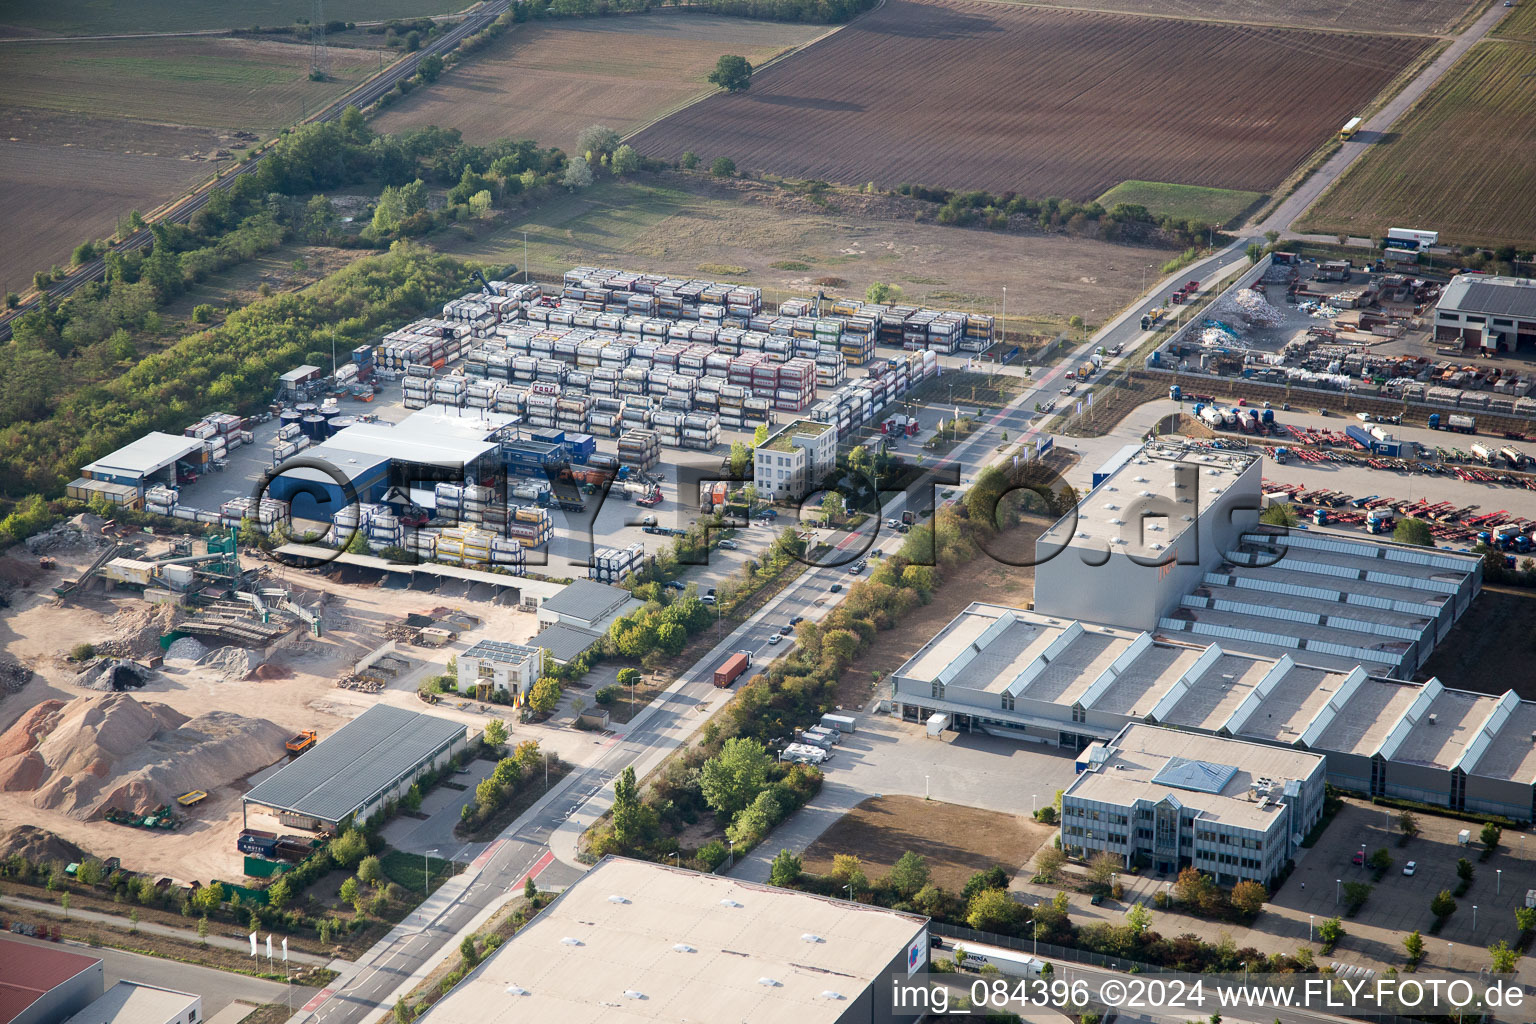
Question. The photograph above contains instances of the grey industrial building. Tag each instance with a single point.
(631, 942)
(1169, 799)
(1478, 311)
(1168, 541)
(123, 476)
(577, 617)
(1061, 682)
(355, 771)
(43, 984)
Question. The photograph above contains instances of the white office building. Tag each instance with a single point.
(502, 667)
(794, 459)
(1168, 800)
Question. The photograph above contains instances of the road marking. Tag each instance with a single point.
(319, 998)
(538, 866)
(485, 857)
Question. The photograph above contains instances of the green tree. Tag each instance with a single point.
(480, 204)
(202, 930)
(83, 254)
(1443, 905)
(64, 902)
(208, 898)
(1279, 514)
(741, 459)
(349, 890)
(786, 869)
(530, 889)
(1504, 960)
(908, 874)
(880, 293)
(133, 921)
(690, 160)
(633, 822)
(1408, 824)
(279, 893)
(468, 953)
(624, 161)
(495, 732)
(732, 73)
(1102, 866)
(1255, 252)
(833, 507)
(1490, 836)
(578, 174)
(597, 141)
(848, 869)
(1464, 869)
(1048, 862)
(723, 167)
(1380, 861)
(671, 637)
(1413, 531)
(430, 67)
(1414, 944)
(1271, 236)
(369, 870)
(1525, 918)
(760, 435)
(628, 677)
(349, 848)
(357, 545)
(1138, 919)
(545, 695)
(992, 910)
(90, 871)
(1330, 932)
(756, 820)
(732, 778)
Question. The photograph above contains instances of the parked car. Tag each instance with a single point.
(1410, 867)
(774, 639)
(837, 588)
(1358, 858)
(729, 544)
(797, 620)
(892, 523)
(1096, 899)
(786, 629)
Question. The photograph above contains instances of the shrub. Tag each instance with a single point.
(723, 167)
(607, 694)
(82, 652)
(203, 312)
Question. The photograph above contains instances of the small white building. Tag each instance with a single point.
(1168, 799)
(135, 1002)
(794, 459)
(508, 668)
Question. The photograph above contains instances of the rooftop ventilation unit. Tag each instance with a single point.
(811, 937)
(517, 990)
(768, 982)
(568, 941)
(617, 899)
(683, 947)
(630, 993)
(729, 903)
(829, 994)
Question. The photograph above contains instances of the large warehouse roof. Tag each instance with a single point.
(421, 444)
(1495, 296)
(363, 758)
(632, 941)
(1122, 677)
(149, 453)
(585, 599)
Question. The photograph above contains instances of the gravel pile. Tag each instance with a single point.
(185, 650)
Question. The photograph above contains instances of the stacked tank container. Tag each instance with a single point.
(417, 387)
(607, 417)
(639, 449)
(530, 526)
(700, 431)
(385, 530)
(481, 394)
(160, 500)
(573, 410)
(450, 391)
(610, 565)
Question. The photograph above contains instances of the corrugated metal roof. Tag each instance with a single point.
(586, 599)
(1495, 296)
(563, 642)
(153, 451)
(363, 758)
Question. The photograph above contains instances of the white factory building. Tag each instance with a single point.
(1168, 541)
(1167, 800)
(1062, 682)
(794, 459)
(1487, 312)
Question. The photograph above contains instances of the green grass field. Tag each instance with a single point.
(1183, 202)
(1459, 163)
(104, 17)
(1519, 23)
(207, 82)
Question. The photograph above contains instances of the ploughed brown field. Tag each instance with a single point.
(1040, 101)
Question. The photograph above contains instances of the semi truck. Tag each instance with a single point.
(733, 667)
(1513, 456)
(1482, 453)
(1454, 422)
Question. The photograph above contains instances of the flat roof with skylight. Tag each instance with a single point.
(632, 941)
(1441, 734)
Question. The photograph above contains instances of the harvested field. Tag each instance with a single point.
(92, 17)
(103, 167)
(1413, 17)
(1041, 102)
(1459, 160)
(787, 244)
(205, 81)
(956, 841)
(1519, 23)
(548, 81)
(1491, 649)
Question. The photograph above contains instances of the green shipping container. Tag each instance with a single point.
(255, 867)
(248, 895)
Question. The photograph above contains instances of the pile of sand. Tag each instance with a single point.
(109, 750)
(136, 632)
(228, 664)
(184, 650)
(39, 846)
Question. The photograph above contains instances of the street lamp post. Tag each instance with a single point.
(1310, 919)
(426, 874)
(1498, 881)
(731, 852)
(925, 787)
(1474, 917)
(1337, 882)
(1033, 801)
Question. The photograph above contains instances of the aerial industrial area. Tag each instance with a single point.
(550, 510)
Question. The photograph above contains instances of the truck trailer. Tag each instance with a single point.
(733, 667)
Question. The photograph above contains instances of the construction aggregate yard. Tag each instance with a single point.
(1041, 102)
(241, 705)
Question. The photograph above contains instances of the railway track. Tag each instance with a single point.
(182, 210)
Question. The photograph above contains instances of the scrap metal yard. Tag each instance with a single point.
(1041, 102)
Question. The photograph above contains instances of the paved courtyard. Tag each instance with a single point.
(888, 756)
